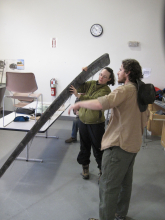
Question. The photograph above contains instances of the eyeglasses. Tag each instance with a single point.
(105, 77)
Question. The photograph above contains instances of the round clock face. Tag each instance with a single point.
(96, 30)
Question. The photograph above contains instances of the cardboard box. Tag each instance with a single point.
(155, 126)
(156, 123)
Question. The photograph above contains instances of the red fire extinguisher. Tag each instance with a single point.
(53, 83)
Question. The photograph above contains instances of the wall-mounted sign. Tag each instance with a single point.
(20, 64)
(14, 64)
(53, 42)
(146, 72)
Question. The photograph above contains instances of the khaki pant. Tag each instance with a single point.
(116, 182)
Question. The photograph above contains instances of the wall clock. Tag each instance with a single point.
(96, 30)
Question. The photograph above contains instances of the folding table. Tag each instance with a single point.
(10, 125)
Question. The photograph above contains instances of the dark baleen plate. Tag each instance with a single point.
(93, 68)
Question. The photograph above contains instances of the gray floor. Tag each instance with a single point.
(55, 190)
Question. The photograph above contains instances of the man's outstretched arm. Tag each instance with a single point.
(90, 104)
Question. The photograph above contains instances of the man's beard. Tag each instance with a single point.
(122, 80)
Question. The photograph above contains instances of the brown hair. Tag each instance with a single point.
(132, 66)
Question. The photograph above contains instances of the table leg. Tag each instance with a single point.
(27, 157)
(46, 136)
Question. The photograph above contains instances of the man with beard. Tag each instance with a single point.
(121, 141)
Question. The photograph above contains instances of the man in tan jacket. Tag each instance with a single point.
(121, 141)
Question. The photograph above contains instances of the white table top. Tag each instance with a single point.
(26, 126)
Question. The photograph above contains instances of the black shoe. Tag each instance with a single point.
(70, 140)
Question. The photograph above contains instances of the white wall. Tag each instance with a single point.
(28, 25)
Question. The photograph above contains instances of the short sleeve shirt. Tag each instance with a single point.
(126, 123)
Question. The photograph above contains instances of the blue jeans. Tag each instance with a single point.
(75, 128)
